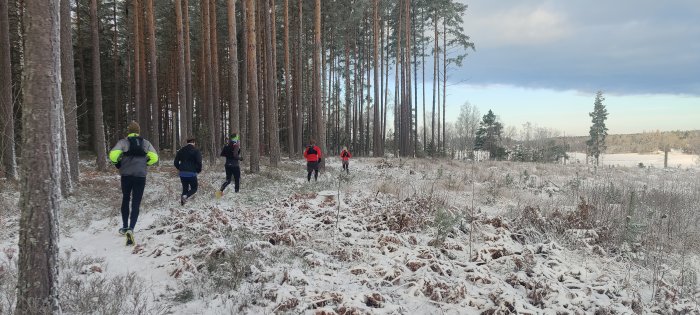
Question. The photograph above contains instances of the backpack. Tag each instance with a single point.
(311, 150)
(135, 147)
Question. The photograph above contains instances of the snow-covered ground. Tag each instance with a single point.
(393, 237)
(675, 159)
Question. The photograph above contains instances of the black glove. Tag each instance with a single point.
(118, 165)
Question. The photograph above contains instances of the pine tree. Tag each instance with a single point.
(7, 131)
(598, 132)
(488, 137)
(37, 282)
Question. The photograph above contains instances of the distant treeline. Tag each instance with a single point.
(646, 142)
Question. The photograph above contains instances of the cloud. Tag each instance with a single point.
(624, 46)
(520, 26)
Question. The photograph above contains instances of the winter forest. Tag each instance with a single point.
(301, 157)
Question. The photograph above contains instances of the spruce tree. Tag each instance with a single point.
(488, 137)
(598, 132)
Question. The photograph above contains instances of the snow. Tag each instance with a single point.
(392, 237)
(675, 159)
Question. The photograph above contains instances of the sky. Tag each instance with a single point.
(542, 62)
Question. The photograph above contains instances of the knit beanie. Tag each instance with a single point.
(133, 128)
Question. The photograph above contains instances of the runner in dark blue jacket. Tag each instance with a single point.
(188, 161)
(232, 153)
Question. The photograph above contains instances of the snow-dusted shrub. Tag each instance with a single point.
(8, 280)
(85, 288)
(226, 268)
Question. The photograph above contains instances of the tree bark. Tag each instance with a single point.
(37, 284)
(137, 62)
(233, 67)
(444, 84)
(70, 128)
(215, 87)
(153, 80)
(7, 121)
(207, 81)
(319, 129)
(376, 134)
(243, 109)
(435, 79)
(270, 78)
(288, 83)
(98, 125)
(253, 87)
(181, 76)
(189, 102)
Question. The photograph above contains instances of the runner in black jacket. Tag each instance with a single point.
(188, 161)
(232, 153)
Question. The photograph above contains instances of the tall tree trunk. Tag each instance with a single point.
(37, 284)
(425, 139)
(398, 91)
(98, 125)
(68, 93)
(216, 100)
(189, 102)
(435, 80)
(348, 91)
(253, 87)
(415, 84)
(288, 83)
(444, 84)
(145, 120)
(7, 121)
(207, 81)
(181, 76)
(84, 124)
(300, 80)
(233, 67)
(319, 125)
(407, 118)
(137, 62)
(376, 143)
(243, 119)
(270, 78)
(152, 59)
(117, 75)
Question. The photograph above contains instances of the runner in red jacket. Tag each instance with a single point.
(312, 154)
(345, 156)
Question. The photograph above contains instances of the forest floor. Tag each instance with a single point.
(392, 237)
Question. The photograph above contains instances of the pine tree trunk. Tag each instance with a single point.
(137, 62)
(348, 96)
(70, 128)
(189, 101)
(207, 81)
(444, 85)
(117, 75)
(233, 66)
(215, 126)
(319, 125)
(145, 118)
(398, 92)
(243, 109)
(425, 138)
(153, 80)
(7, 131)
(98, 125)
(253, 86)
(435, 80)
(181, 77)
(300, 80)
(270, 90)
(288, 84)
(376, 142)
(407, 117)
(37, 284)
